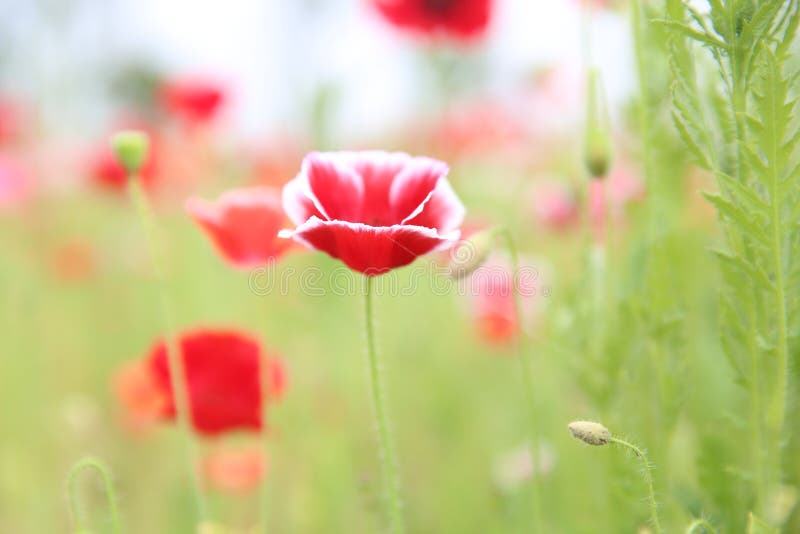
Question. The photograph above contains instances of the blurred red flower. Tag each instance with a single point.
(463, 19)
(374, 210)
(492, 290)
(243, 224)
(108, 173)
(233, 470)
(223, 379)
(195, 100)
(10, 119)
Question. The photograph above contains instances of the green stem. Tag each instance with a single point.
(108, 486)
(391, 485)
(778, 406)
(698, 525)
(648, 477)
(266, 392)
(527, 370)
(177, 373)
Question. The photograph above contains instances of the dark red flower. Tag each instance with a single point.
(374, 210)
(243, 224)
(195, 100)
(463, 19)
(223, 380)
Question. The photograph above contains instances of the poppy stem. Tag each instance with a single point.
(527, 368)
(266, 392)
(647, 469)
(108, 486)
(177, 373)
(391, 486)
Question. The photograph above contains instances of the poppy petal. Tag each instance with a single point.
(441, 210)
(337, 188)
(368, 249)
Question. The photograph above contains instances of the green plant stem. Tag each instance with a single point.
(177, 373)
(648, 477)
(266, 392)
(108, 486)
(527, 369)
(700, 525)
(391, 485)
(778, 406)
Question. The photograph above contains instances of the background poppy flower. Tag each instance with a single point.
(243, 224)
(222, 373)
(373, 210)
(463, 19)
(195, 100)
(108, 173)
(238, 470)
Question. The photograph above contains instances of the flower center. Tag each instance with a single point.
(439, 7)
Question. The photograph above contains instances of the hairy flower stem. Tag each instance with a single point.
(108, 486)
(177, 373)
(700, 525)
(648, 477)
(390, 481)
(526, 365)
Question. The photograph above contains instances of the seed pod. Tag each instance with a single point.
(597, 149)
(590, 432)
(130, 148)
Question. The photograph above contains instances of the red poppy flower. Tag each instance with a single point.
(243, 224)
(462, 19)
(195, 100)
(108, 173)
(375, 211)
(492, 290)
(222, 374)
(233, 470)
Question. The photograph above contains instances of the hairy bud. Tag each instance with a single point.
(589, 432)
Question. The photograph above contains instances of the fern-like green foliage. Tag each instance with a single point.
(734, 107)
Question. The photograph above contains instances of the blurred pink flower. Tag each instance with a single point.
(461, 19)
(10, 120)
(15, 183)
(555, 205)
(481, 128)
(237, 471)
(492, 290)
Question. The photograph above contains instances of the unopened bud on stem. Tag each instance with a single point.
(590, 432)
(597, 149)
(130, 148)
(470, 254)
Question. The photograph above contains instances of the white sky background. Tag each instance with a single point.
(273, 53)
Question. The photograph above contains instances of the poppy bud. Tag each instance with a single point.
(470, 254)
(597, 149)
(130, 148)
(589, 432)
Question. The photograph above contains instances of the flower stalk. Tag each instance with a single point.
(527, 384)
(389, 463)
(108, 488)
(596, 434)
(131, 150)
